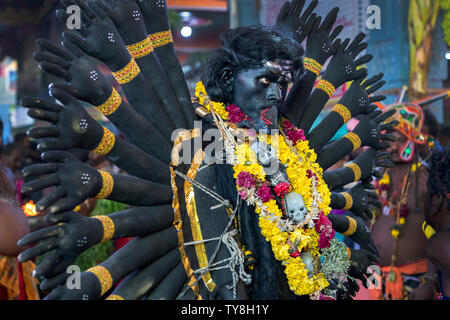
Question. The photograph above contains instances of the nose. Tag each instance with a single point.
(274, 93)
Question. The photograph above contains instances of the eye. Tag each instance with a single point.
(302, 208)
(291, 211)
(265, 81)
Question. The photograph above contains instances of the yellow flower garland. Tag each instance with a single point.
(297, 160)
(219, 108)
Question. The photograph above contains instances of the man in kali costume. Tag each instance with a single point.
(257, 226)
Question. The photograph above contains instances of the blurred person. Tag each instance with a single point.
(11, 157)
(437, 209)
(397, 231)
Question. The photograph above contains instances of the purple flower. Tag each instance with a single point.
(235, 114)
(264, 193)
(245, 180)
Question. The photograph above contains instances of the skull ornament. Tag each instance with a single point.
(295, 207)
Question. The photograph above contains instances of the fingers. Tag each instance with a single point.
(55, 70)
(77, 40)
(41, 104)
(61, 217)
(281, 16)
(49, 200)
(371, 108)
(52, 283)
(374, 114)
(86, 9)
(47, 264)
(54, 49)
(309, 10)
(41, 248)
(57, 156)
(63, 96)
(97, 10)
(360, 80)
(107, 9)
(387, 163)
(376, 99)
(364, 59)
(373, 80)
(43, 115)
(336, 32)
(40, 56)
(39, 169)
(40, 184)
(43, 132)
(389, 137)
(37, 236)
(50, 144)
(375, 202)
(360, 73)
(385, 116)
(64, 204)
(72, 48)
(376, 87)
(383, 145)
(298, 6)
(317, 24)
(356, 51)
(330, 19)
(388, 126)
(356, 41)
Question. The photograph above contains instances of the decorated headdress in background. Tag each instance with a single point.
(411, 119)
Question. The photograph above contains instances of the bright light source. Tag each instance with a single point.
(186, 31)
(447, 55)
(185, 14)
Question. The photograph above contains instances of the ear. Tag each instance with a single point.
(226, 79)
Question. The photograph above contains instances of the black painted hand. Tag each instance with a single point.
(83, 78)
(322, 42)
(343, 66)
(362, 195)
(360, 260)
(155, 14)
(289, 20)
(63, 243)
(98, 37)
(357, 99)
(363, 237)
(370, 127)
(74, 181)
(127, 17)
(72, 127)
(89, 289)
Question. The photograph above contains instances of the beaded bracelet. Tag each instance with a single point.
(114, 297)
(108, 227)
(356, 170)
(107, 187)
(127, 73)
(103, 276)
(312, 65)
(351, 228)
(162, 38)
(348, 201)
(111, 105)
(343, 112)
(354, 139)
(327, 87)
(106, 144)
(141, 49)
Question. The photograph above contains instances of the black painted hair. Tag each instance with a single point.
(431, 122)
(244, 48)
(439, 174)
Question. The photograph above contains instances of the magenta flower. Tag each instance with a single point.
(264, 193)
(235, 114)
(245, 180)
(293, 133)
(325, 230)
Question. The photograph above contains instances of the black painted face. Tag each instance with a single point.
(257, 92)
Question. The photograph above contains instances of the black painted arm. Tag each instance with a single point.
(157, 21)
(128, 19)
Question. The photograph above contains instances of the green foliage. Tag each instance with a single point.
(175, 20)
(445, 5)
